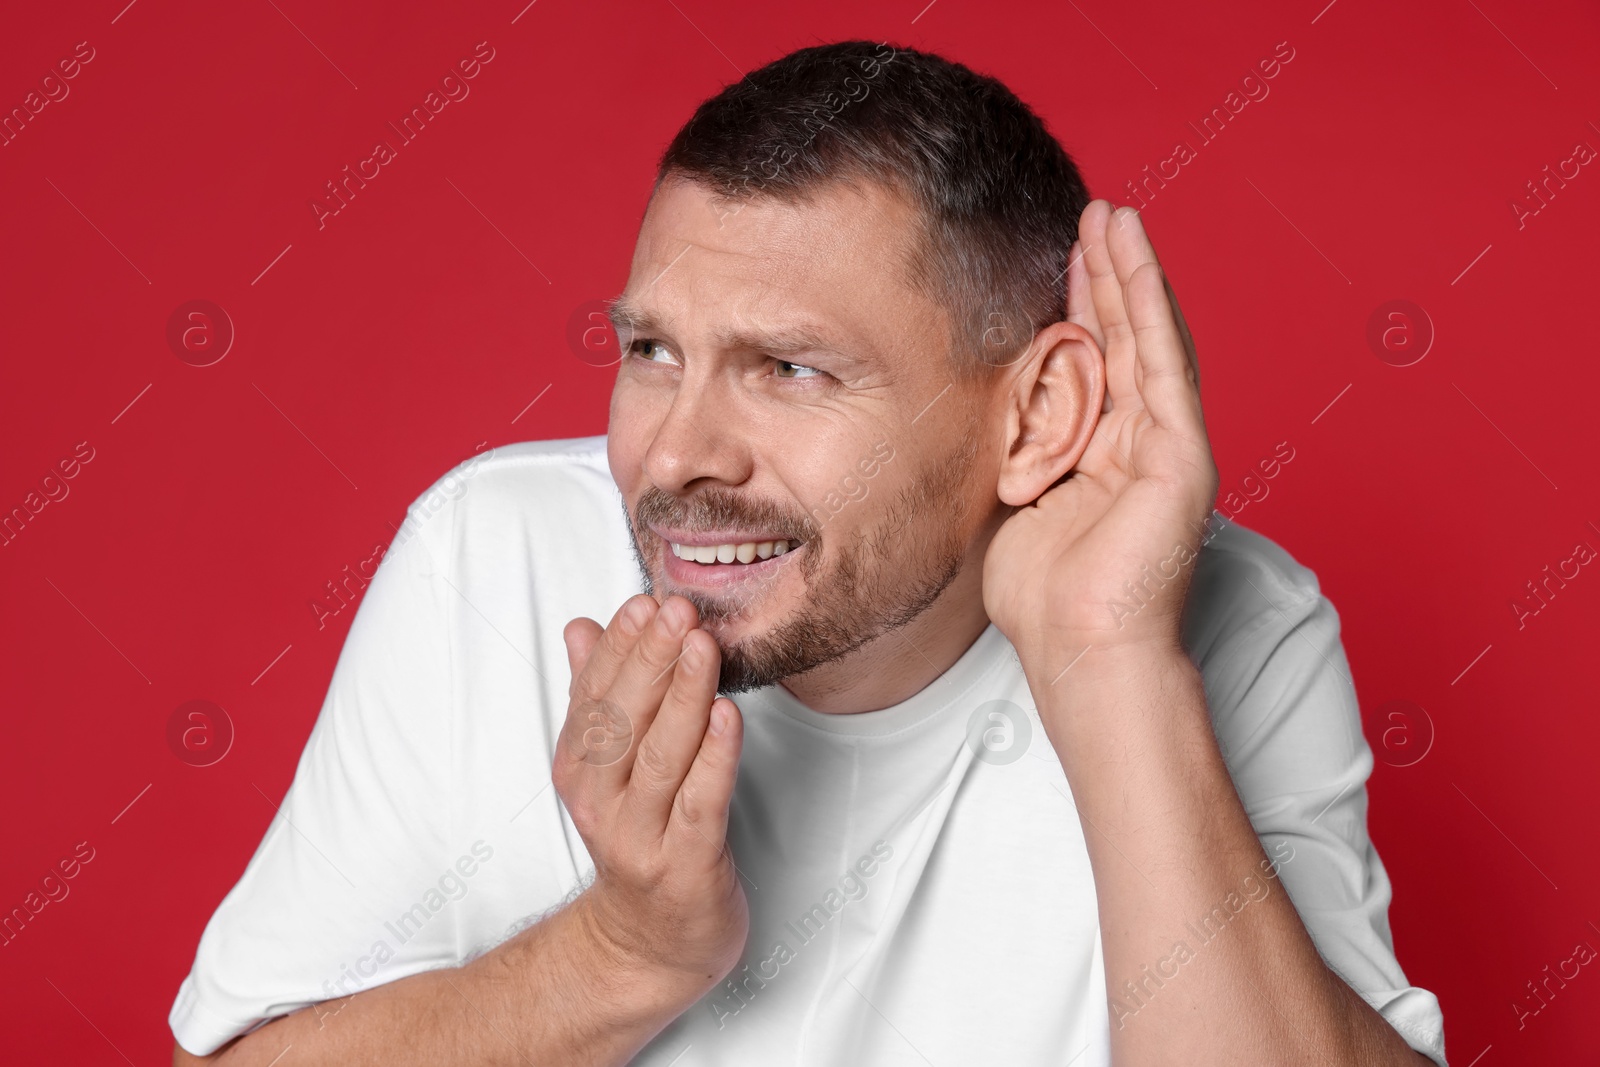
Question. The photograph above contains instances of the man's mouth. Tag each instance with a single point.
(731, 552)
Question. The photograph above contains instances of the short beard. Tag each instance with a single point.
(885, 577)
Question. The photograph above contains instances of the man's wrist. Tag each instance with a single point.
(623, 970)
(1090, 668)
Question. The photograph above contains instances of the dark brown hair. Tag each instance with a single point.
(997, 195)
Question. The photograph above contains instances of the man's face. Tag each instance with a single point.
(780, 381)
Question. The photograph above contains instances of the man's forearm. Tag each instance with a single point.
(556, 993)
(1170, 843)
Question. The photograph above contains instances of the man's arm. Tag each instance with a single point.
(557, 993)
(1170, 844)
(1081, 578)
(645, 763)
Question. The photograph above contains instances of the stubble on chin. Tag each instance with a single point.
(882, 577)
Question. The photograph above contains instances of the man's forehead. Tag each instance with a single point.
(820, 273)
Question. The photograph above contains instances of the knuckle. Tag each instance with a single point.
(652, 764)
(690, 803)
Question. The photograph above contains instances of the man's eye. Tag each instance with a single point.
(784, 368)
(647, 348)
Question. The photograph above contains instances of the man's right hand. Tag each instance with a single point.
(646, 764)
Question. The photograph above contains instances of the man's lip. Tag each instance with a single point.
(723, 537)
(719, 576)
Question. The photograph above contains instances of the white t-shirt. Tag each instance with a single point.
(917, 876)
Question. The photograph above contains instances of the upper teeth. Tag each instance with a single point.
(744, 552)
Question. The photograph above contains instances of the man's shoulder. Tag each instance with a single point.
(546, 487)
(561, 467)
(1244, 582)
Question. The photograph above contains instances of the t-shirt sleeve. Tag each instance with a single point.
(1289, 726)
(337, 896)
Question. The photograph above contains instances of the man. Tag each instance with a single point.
(1030, 763)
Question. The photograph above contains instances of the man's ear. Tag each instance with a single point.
(1053, 400)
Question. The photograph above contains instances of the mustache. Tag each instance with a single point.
(717, 508)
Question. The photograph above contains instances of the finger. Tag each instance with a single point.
(1172, 298)
(1080, 305)
(1106, 294)
(1183, 329)
(634, 699)
(1165, 381)
(580, 635)
(595, 662)
(1163, 372)
(668, 748)
(605, 658)
(700, 813)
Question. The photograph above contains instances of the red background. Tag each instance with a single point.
(376, 352)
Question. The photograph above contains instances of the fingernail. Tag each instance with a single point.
(719, 719)
(633, 618)
(669, 621)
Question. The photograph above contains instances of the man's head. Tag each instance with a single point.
(843, 329)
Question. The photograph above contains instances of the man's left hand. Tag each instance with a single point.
(1102, 558)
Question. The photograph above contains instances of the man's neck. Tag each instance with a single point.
(900, 663)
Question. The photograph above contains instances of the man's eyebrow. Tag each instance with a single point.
(632, 320)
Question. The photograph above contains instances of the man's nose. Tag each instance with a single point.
(699, 438)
